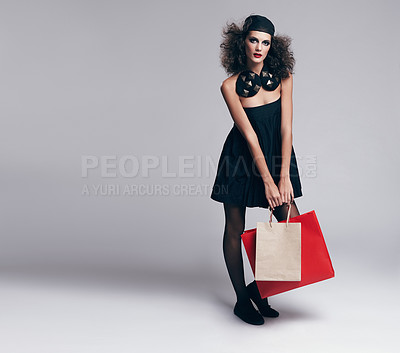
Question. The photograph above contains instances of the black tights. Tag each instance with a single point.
(234, 227)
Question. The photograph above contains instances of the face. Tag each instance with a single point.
(257, 45)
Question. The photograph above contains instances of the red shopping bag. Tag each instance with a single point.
(316, 264)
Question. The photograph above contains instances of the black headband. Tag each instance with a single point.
(258, 23)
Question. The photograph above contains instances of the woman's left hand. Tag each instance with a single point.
(285, 189)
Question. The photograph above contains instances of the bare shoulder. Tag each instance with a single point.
(288, 80)
(287, 85)
(229, 84)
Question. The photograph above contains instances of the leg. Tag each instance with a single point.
(281, 212)
(232, 248)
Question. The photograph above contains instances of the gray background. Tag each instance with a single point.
(119, 272)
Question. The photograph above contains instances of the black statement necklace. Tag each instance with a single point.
(249, 83)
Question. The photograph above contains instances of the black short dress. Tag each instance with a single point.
(238, 180)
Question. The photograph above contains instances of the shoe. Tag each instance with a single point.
(262, 304)
(248, 313)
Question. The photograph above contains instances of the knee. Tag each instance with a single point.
(234, 230)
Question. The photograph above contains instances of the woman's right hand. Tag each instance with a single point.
(273, 195)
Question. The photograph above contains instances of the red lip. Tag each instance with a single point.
(257, 55)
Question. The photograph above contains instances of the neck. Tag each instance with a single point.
(255, 67)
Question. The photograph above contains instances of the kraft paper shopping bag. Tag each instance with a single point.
(278, 251)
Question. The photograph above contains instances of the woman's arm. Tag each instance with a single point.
(246, 129)
(285, 186)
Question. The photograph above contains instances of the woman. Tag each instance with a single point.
(257, 166)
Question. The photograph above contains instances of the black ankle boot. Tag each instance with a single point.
(262, 304)
(248, 313)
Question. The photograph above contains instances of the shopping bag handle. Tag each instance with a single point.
(288, 214)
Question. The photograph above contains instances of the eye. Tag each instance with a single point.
(266, 42)
(253, 40)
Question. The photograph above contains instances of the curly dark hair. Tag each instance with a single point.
(280, 59)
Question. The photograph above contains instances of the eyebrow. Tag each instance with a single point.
(253, 37)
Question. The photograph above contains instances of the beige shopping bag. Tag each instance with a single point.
(278, 251)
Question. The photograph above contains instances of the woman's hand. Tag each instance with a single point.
(285, 189)
(273, 195)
